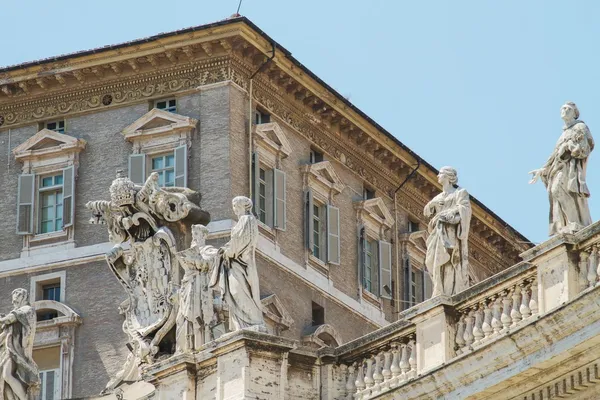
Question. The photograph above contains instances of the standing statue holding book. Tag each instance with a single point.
(564, 175)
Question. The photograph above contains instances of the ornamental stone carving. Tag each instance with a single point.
(564, 175)
(447, 258)
(19, 379)
(146, 224)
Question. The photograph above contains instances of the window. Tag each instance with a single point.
(413, 226)
(419, 286)
(48, 287)
(169, 105)
(164, 165)
(368, 194)
(315, 156)
(318, 314)
(51, 203)
(49, 385)
(261, 117)
(56, 126)
(50, 291)
(269, 194)
(318, 248)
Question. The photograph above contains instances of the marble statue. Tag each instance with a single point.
(564, 174)
(145, 223)
(447, 245)
(19, 379)
(195, 313)
(236, 275)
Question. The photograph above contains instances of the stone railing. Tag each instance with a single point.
(495, 311)
(367, 368)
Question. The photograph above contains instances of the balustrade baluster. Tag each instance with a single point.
(377, 376)
(469, 321)
(395, 368)
(515, 315)
(360, 377)
(593, 264)
(486, 327)
(496, 314)
(404, 365)
(460, 333)
(350, 382)
(477, 328)
(369, 381)
(506, 308)
(524, 309)
(387, 366)
(412, 360)
(584, 260)
(533, 302)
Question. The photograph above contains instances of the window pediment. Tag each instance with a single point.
(271, 137)
(274, 311)
(374, 214)
(48, 144)
(158, 122)
(322, 177)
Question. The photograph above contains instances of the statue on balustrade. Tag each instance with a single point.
(145, 224)
(196, 313)
(564, 174)
(19, 376)
(447, 245)
(236, 275)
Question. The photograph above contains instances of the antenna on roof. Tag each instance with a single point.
(238, 9)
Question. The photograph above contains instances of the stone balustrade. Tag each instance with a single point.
(496, 311)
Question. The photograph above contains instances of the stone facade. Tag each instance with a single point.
(207, 71)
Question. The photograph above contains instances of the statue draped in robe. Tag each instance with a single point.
(564, 175)
(447, 245)
(236, 274)
(19, 379)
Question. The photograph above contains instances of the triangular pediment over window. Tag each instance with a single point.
(157, 122)
(275, 312)
(325, 174)
(377, 210)
(272, 136)
(47, 143)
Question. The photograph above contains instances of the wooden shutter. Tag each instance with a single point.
(68, 196)
(333, 235)
(385, 269)
(137, 168)
(279, 199)
(362, 256)
(255, 182)
(25, 204)
(181, 161)
(309, 222)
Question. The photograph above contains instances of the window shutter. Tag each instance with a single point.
(269, 196)
(362, 256)
(181, 161)
(309, 222)
(333, 235)
(279, 205)
(385, 269)
(25, 202)
(137, 168)
(68, 196)
(255, 181)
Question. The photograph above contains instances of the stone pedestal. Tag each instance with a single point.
(435, 334)
(557, 271)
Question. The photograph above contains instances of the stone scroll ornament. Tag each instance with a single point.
(564, 175)
(19, 376)
(146, 224)
(447, 245)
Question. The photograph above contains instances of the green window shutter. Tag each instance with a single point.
(385, 269)
(309, 222)
(137, 168)
(279, 199)
(333, 235)
(25, 204)
(181, 166)
(68, 196)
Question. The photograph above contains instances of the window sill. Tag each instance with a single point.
(318, 264)
(42, 237)
(266, 230)
(371, 298)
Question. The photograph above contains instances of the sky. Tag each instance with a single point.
(473, 84)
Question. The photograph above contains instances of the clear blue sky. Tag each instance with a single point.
(473, 84)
